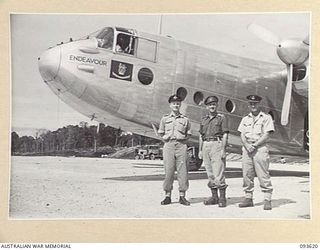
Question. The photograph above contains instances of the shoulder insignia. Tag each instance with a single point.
(183, 116)
(205, 117)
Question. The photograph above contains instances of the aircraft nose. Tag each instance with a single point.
(49, 63)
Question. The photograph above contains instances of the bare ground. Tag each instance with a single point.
(61, 187)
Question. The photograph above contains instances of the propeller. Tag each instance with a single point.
(291, 52)
(264, 34)
(306, 40)
(287, 97)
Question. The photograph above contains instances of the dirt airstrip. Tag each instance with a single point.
(66, 188)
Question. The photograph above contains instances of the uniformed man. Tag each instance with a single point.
(255, 130)
(212, 149)
(175, 129)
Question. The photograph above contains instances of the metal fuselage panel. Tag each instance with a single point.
(84, 82)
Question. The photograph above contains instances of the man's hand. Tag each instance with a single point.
(250, 148)
(166, 137)
(200, 154)
(223, 154)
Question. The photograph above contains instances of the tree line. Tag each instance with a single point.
(76, 138)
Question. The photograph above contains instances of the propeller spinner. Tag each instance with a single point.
(291, 52)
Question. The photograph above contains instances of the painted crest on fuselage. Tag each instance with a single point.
(121, 70)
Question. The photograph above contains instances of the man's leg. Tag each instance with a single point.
(218, 166)
(182, 172)
(261, 163)
(169, 168)
(248, 173)
(206, 155)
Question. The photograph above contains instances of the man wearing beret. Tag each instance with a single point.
(212, 149)
(175, 129)
(255, 129)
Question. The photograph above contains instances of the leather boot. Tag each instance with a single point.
(184, 201)
(246, 203)
(214, 199)
(166, 201)
(222, 198)
(267, 205)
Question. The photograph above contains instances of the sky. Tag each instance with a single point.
(34, 106)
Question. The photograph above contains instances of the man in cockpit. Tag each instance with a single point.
(121, 47)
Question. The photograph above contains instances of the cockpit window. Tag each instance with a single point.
(105, 38)
(125, 44)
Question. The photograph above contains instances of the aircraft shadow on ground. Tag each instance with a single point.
(236, 200)
(200, 175)
(277, 202)
(230, 200)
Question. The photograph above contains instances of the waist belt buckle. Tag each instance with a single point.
(213, 139)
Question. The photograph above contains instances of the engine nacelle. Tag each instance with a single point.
(300, 73)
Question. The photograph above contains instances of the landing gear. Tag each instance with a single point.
(152, 157)
(193, 162)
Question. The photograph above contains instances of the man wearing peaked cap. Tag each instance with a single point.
(212, 149)
(211, 99)
(175, 129)
(173, 98)
(255, 129)
(254, 98)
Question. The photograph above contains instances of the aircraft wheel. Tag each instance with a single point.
(152, 157)
(193, 163)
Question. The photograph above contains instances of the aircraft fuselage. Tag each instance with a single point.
(130, 90)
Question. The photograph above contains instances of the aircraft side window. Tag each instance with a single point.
(182, 92)
(105, 38)
(230, 106)
(125, 44)
(146, 49)
(198, 98)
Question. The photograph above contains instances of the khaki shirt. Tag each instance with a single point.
(253, 127)
(175, 127)
(214, 126)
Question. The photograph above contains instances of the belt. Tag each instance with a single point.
(179, 140)
(212, 139)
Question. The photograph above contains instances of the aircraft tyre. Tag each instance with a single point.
(193, 163)
(152, 157)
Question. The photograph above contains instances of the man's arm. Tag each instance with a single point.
(189, 133)
(161, 129)
(224, 145)
(225, 130)
(249, 147)
(200, 146)
(268, 127)
(200, 141)
(262, 139)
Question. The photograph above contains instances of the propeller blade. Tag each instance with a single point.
(306, 40)
(287, 97)
(98, 127)
(264, 34)
(155, 130)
